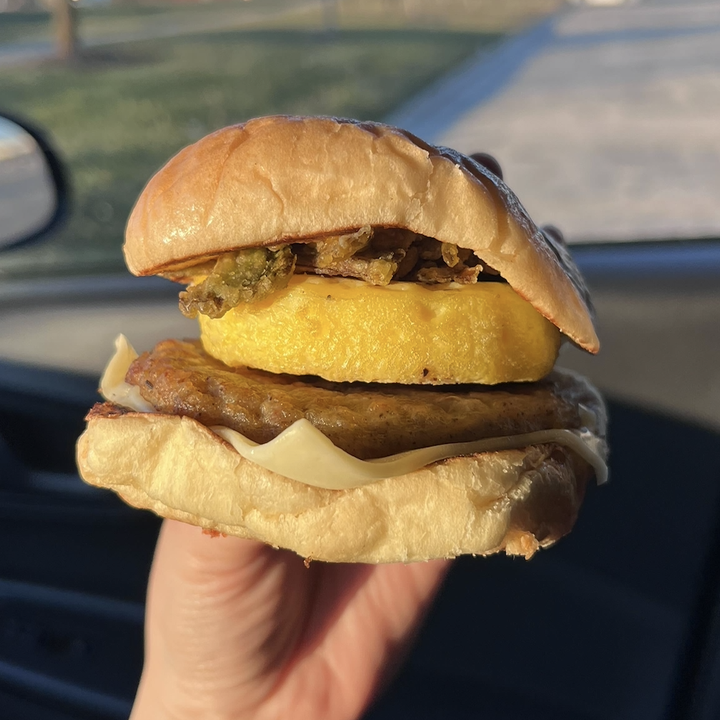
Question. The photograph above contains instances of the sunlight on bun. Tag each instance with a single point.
(515, 500)
(274, 179)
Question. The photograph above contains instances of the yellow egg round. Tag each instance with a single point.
(347, 330)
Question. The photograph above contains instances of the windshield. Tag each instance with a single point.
(604, 119)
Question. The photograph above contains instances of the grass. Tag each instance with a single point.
(117, 119)
(107, 21)
(467, 15)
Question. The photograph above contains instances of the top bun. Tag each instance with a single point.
(283, 178)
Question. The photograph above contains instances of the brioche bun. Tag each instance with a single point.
(514, 500)
(279, 179)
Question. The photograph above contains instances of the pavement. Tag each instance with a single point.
(606, 121)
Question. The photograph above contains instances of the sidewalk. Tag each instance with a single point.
(606, 121)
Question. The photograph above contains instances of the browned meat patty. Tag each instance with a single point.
(365, 420)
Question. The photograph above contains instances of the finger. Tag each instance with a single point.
(402, 594)
(488, 162)
(364, 636)
(405, 617)
(218, 619)
(555, 233)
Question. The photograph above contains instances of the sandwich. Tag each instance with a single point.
(375, 375)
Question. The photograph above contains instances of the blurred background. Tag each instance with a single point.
(605, 117)
(123, 85)
(604, 114)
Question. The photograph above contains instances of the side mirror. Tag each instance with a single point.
(33, 190)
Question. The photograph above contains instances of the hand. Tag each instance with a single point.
(236, 629)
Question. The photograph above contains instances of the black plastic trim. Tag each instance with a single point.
(634, 265)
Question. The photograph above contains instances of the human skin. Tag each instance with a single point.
(236, 629)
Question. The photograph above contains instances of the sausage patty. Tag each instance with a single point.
(365, 420)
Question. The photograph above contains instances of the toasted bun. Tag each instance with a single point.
(515, 500)
(279, 179)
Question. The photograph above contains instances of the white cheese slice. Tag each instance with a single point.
(113, 386)
(303, 453)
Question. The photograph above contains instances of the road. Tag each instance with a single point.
(605, 120)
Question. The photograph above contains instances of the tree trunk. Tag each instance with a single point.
(65, 14)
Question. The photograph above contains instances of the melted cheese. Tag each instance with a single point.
(113, 386)
(304, 454)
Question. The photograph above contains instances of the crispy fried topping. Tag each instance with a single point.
(245, 276)
(375, 255)
(333, 250)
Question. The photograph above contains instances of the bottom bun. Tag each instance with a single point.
(514, 500)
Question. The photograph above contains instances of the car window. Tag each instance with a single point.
(603, 118)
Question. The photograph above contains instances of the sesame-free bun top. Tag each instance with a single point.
(283, 178)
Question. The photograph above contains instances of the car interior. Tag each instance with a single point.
(619, 621)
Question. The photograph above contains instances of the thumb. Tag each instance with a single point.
(218, 622)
